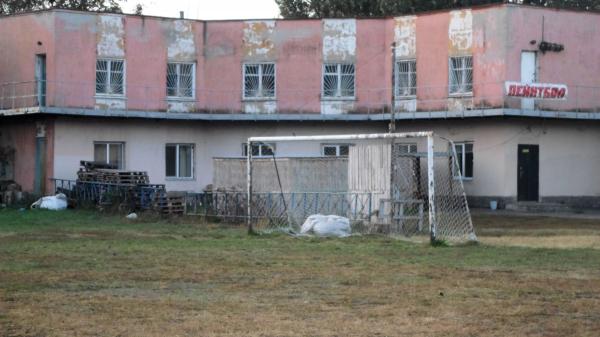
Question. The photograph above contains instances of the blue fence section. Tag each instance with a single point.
(133, 197)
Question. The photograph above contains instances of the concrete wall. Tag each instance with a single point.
(494, 35)
(568, 149)
(21, 135)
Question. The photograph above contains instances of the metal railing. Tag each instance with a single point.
(64, 94)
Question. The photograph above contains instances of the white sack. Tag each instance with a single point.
(326, 225)
(56, 202)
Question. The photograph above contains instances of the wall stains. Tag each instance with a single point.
(460, 32)
(339, 40)
(110, 36)
(260, 107)
(258, 42)
(405, 36)
(180, 41)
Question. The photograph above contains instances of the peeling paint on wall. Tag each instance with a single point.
(460, 31)
(460, 104)
(181, 106)
(336, 107)
(110, 104)
(180, 39)
(406, 105)
(405, 36)
(110, 36)
(258, 40)
(260, 107)
(339, 40)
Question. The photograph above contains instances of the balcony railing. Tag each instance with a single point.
(369, 101)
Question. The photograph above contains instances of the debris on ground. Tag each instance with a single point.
(56, 202)
(326, 225)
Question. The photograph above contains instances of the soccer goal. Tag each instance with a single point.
(405, 184)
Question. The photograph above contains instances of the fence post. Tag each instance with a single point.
(249, 187)
(431, 188)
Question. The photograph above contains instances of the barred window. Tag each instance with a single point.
(259, 80)
(335, 150)
(180, 79)
(406, 78)
(259, 150)
(461, 75)
(404, 148)
(338, 80)
(110, 76)
(179, 161)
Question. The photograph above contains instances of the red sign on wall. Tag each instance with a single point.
(536, 90)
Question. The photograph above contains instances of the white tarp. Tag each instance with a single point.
(326, 225)
(56, 202)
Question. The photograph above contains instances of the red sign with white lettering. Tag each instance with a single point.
(536, 90)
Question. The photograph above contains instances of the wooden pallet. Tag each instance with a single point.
(171, 204)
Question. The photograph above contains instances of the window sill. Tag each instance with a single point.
(464, 178)
(405, 98)
(109, 96)
(179, 179)
(461, 95)
(259, 99)
(180, 99)
(337, 99)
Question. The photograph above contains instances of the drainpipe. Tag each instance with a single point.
(39, 179)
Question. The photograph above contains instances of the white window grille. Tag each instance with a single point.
(464, 156)
(406, 148)
(335, 150)
(259, 80)
(110, 153)
(338, 80)
(406, 78)
(181, 80)
(259, 150)
(461, 75)
(179, 160)
(110, 77)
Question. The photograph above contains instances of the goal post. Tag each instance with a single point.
(388, 183)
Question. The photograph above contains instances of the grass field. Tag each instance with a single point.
(78, 273)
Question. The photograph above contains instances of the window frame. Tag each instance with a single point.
(338, 74)
(338, 151)
(192, 168)
(178, 74)
(464, 70)
(108, 144)
(409, 146)
(108, 78)
(463, 161)
(260, 81)
(412, 78)
(260, 154)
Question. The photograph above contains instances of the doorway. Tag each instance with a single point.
(40, 79)
(528, 173)
(528, 75)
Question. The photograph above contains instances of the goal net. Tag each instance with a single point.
(396, 184)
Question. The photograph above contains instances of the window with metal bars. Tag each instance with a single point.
(181, 80)
(179, 161)
(338, 80)
(461, 75)
(259, 150)
(335, 150)
(110, 75)
(259, 80)
(406, 78)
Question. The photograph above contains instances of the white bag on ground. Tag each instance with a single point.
(56, 202)
(326, 225)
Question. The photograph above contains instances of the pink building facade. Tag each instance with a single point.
(177, 81)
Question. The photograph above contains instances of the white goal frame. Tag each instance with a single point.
(429, 135)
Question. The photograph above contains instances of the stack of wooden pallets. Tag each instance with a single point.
(171, 203)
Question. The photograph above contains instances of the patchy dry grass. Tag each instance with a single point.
(82, 274)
